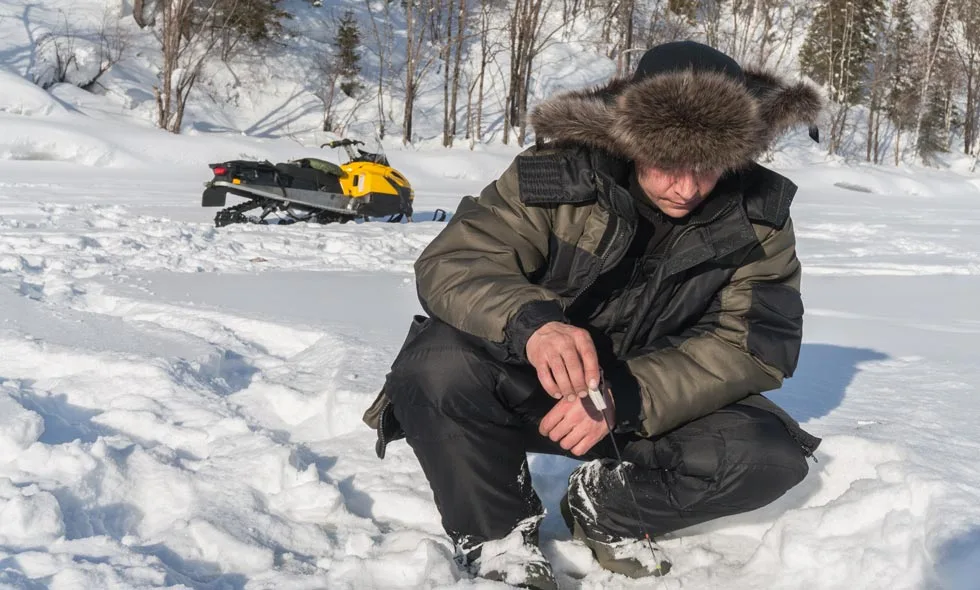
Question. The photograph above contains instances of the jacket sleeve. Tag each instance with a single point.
(746, 342)
(476, 274)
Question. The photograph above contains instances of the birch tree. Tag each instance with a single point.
(383, 34)
(489, 49)
(837, 52)
(968, 55)
(417, 58)
(457, 32)
(928, 115)
(528, 39)
(900, 102)
(190, 33)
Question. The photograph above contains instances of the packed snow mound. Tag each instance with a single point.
(57, 140)
(21, 97)
(19, 428)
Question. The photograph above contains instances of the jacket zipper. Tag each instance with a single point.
(602, 262)
(659, 278)
(381, 445)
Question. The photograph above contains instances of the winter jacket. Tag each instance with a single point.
(720, 319)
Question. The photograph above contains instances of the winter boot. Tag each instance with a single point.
(515, 559)
(627, 556)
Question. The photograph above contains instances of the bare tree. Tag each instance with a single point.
(968, 54)
(620, 34)
(190, 33)
(664, 26)
(762, 31)
(528, 39)
(114, 42)
(570, 11)
(488, 53)
(101, 46)
(880, 73)
(837, 52)
(417, 58)
(383, 38)
(59, 55)
(712, 13)
(327, 85)
(145, 12)
(938, 29)
(452, 54)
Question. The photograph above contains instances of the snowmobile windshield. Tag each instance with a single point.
(371, 150)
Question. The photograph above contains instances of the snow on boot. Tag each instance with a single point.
(629, 557)
(514, 559)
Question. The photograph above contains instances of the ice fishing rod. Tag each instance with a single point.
(599, 401)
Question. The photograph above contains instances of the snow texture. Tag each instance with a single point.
(180, 405)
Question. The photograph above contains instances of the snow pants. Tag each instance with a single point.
(471, 420)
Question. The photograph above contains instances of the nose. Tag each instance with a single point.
(686, 186)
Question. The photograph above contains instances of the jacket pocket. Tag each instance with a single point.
(775, 328)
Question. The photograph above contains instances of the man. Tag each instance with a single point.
(640, 247)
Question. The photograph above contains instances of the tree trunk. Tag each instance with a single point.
(516, 55)
(871, 134)
(630, 9)
(188, 38)
(484, 60)
(383, 43)
(522, 112)
(970, 123)
(138, 15)
(447, 47)
(461, 21)
(409, 111)
(927, 78)
(898, 146)
(411, 57)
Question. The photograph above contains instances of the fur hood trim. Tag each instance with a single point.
(680, 120)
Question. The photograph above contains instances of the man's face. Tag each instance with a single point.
(676, 192)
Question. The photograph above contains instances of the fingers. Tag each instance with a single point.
(563, 430)
(573, 427)
(575, 374)
(590, 361)
(586, 444)
(560, 372)
(565, 359)
(548, 383)
(582, 438)
(574, 436)
(551, 419)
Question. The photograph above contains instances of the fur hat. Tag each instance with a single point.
(687, 106)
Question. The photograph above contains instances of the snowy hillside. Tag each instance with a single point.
(180, 405)
(268, 91)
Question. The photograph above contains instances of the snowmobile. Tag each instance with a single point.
(311, 189)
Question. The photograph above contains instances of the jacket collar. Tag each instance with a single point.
(718, 228)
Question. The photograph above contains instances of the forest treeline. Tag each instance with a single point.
(902, 77)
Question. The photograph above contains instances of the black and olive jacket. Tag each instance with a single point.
(719, 321)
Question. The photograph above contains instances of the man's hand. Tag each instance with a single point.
(576, 424)
(565, 359)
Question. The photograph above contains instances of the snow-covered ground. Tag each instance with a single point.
(180, 405)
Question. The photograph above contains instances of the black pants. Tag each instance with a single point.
(471, 419)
